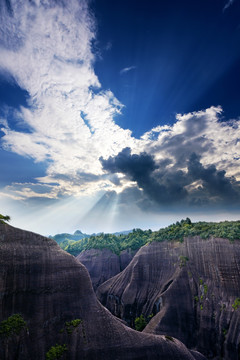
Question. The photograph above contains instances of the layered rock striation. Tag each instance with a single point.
(52, 292)
(191, 288)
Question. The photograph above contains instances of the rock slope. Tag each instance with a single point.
(192, 288)
(104, 264)
(49, 289)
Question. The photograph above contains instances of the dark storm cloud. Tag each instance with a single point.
(193, 137)
(181, 146)
(164, 185)
(214, 182)
(140, 168)
(135, 166)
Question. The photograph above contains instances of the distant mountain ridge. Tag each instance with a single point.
(77, 235)
(65, 239)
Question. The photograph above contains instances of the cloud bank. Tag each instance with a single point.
(194, 163)
(46, 48)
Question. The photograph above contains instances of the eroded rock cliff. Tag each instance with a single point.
(104, 264)
(190, 287)
(49, 288)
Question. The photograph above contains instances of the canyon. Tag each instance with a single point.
(51, 290)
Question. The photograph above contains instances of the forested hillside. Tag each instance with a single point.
(137, 238)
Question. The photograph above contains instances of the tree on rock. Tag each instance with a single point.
(140, 323)
(4, 218)
(12, 332)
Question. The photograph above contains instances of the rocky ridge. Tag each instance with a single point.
(50, 289)
(190, 287)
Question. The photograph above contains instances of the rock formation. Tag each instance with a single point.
(104, 264)
(50, 289)
(192, 288)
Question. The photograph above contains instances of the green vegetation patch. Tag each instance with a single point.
(224, 331)
(183, 260)
(185, 228)
(140, 323)
(137, 238)
(56, 352)
(69, 326)
(12, 326)
(236, 304)
(205, 287)
(115, 243)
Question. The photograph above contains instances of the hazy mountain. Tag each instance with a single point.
(78, 235)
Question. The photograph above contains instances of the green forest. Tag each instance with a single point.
(137, 238)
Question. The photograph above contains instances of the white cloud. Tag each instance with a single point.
(127, 69)
(48, 52)
(217, 142)
(4, 195)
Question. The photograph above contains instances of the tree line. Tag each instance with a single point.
(175, 232)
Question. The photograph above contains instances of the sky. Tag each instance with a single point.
(119, 114)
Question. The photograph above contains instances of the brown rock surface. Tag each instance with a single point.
(104, 264)
(189, 287)
(49, 287)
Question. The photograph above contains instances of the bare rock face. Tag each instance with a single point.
(49, 289)
(126, 257)
(104, 264)
(101, 264)
(190, 287)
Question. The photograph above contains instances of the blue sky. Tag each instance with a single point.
(119, 114)
(181, 56)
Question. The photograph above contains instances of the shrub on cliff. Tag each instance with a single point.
(56, 352)
(4, 218)
(140, 323)
(12, 326)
